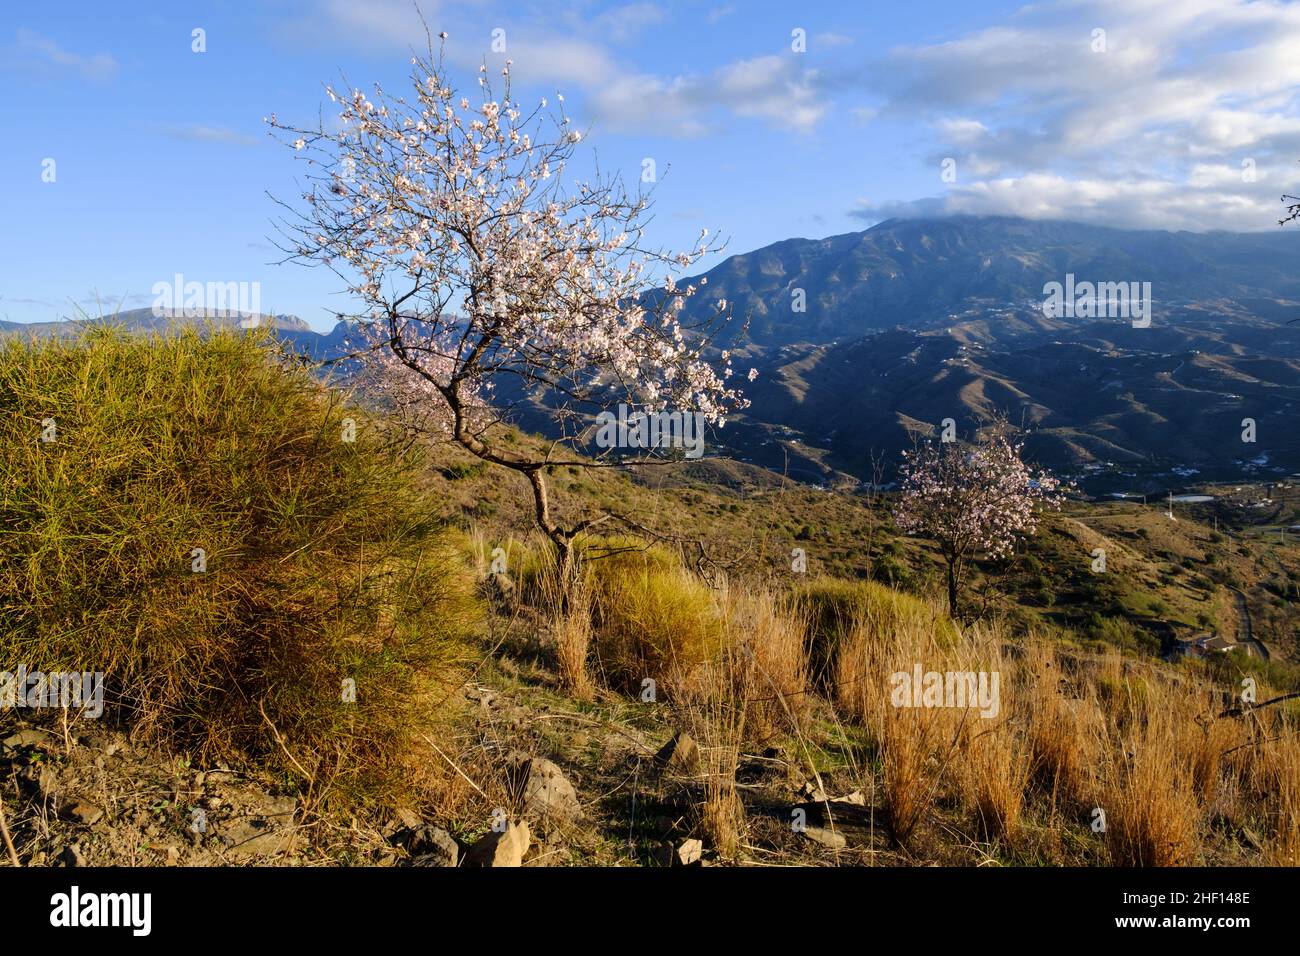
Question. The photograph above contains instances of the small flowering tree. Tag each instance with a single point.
(483, 275)
(972, 499)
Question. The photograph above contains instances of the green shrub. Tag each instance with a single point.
(321, 566)
(834, 607)
(887, 569)
(652, 617)
(461, 470)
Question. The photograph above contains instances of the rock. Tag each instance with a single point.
(248, 838)
(282, 807)
(506, 848)
(81, 811)
(811, 791)
(432, 846)
(406, 819)
(690, 852)
(545, 790)
(831, 839)
(680, 756)
(72, 855)
(857, 798)
(31, 737)
(48, 783)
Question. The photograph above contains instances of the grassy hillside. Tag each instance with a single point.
(337, 557)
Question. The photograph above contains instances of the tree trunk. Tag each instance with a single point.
(566, 571)
(562, 538)
(952, 588)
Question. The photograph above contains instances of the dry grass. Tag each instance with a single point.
(1282, 758)
(653, 618)
(573, 632)
(1062, 726)
(881, 638)
(1146, 792)
(771, 637)
(712, 706)
(1076, 731)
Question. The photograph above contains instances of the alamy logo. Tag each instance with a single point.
(134, 910)
(651, 430)
(194, 300)
(61, 689)
(1100, 300)
(959, 689)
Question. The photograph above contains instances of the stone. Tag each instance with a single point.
(48, 783)
(690, 852)
(432, 846)
(546, 792)
(857, 798)
(81, 811)
(282, 807)
(504, 848)
(687, 853)
(72, 855)
(811, 791)
(405, 818)
(831, 839)
(680, 756)
(248, 839)
(31, 737)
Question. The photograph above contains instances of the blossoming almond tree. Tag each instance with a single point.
(483, 275)
(972, 499)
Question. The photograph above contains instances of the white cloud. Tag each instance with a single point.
(97, 67)
(1134, 204)
(1150, 132)
(626, 22)
(571, 53)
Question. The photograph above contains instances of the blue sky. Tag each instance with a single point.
(1181, 114)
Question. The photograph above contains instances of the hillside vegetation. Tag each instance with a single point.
(686, 692)
(186, 516)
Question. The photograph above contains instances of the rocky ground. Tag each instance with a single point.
(543, 780)
(553, 783)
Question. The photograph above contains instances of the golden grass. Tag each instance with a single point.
(653, 618)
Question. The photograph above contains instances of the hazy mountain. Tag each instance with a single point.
(925, 273)
(911, 322)
(1122, 406)
(146, 320)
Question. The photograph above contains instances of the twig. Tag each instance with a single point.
(9, 843)
(1251, 708)
(454, 767)
(1252, 743)
(280, 740)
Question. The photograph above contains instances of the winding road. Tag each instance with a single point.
(1243, 613)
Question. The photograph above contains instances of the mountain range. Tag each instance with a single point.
(865, 340)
